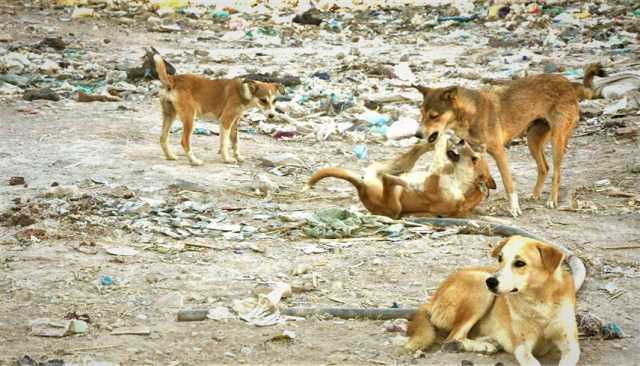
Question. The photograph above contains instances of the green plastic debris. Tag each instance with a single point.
(636, 12)
(333, 223)
(220, 14)
(554, 11)
(78, 326)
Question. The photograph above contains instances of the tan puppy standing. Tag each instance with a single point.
(524, 304)
(189, 96)
(544, 107)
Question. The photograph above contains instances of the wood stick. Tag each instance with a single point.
(187, 315)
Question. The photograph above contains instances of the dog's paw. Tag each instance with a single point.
(453, 346)
(171, 157)
(195, 161)
(229, 161)
(239, 158)
(551, 204)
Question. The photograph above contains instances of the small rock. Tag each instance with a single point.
(340, 55)
(6, 37)
(626, 132)
(16, 181)
(44, 93)
(466, 363)
(54, 42)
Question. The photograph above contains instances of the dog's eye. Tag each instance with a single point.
(500, 258)
(474, 159)
(519, 264)
(433, 115)
(263, 101)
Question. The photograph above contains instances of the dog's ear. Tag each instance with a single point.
(498, 248)
(422, 89)
(248, 88)
(281, 89)
(450, 94)
(551, 256)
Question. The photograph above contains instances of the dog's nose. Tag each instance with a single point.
(271, 115)
(419, 134)
(492, 283)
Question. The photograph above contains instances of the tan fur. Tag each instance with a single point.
(542, 106)
(189, 96)
(530, 308)
(448, 188)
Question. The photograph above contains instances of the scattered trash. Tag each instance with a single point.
(44, 327)
(28, 361)
(137, 330)
(106, 280)
(332, 223)
(612, 331)
(361, 152)
(122, 251)
(32, 235)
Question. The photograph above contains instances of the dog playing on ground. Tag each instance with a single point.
(456, 182)
(542, 106)
(189, 96)
(524, 304)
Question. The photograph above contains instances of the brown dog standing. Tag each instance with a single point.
(542, 106)
(189, 96)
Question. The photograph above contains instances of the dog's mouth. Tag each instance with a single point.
(514, 290)
(432, 138)
(453, 156)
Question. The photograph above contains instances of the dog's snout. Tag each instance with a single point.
(419, 134)
(271, 115)
(461, 142)
(492, 283)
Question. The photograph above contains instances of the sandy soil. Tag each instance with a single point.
(72, 143)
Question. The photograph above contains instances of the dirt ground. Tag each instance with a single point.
(100, 147)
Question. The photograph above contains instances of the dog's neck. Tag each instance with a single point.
(533, 303)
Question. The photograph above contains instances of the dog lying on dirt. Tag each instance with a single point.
(524, 304)
(456, 182)
(189, 96)
(542, 106)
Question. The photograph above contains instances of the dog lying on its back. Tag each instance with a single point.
(189, 96)
(456, 182)
(544, 107)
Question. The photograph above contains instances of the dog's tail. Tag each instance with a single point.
(421, 331)
(339, 173)
(167, 80)
(585, 90)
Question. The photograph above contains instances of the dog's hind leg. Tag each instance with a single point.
(537, 135)
(563, 125)
(168, 116)
(187, 115)
(502, 160)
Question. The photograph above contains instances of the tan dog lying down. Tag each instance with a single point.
(524, 305)
(456, 182)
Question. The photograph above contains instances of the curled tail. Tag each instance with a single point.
(339, 173)
(167, 80)
(585, 90)
(421, 331)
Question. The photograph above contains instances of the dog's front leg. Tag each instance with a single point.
(524, 355)
(226, 126)
(500, 155)
(234, 141)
